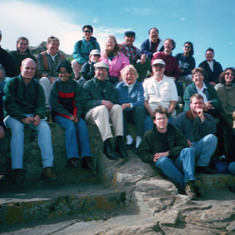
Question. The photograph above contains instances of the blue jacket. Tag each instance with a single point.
(83, 48)
(136, 96)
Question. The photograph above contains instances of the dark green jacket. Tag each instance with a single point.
(93, 93)
(21, 99)
(151, 144)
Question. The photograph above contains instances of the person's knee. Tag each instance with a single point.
(211, 139)
(231, 168)
(162, 162)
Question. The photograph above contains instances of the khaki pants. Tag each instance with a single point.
(101, 116)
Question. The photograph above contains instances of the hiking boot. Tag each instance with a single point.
(47, 174)
(87, 163)
(18, 176)
(190, 190)
(73, 162)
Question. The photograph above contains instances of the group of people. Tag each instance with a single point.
(119, 85)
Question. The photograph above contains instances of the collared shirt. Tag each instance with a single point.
(132, 52)
(211, 65)
(202, 92)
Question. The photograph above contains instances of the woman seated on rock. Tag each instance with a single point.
(226, 90)
(115, 59)
(131, 98)
(65, 101)
(212, 104)
(186, 63)
(22, 52)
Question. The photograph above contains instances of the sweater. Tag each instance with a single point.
(94, 91)
(66, 99)
(152, 143)
(192, 127)
(82, 49)
(187, 63)
(20, 99)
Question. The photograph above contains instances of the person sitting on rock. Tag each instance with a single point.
(82, 49)
(167, 148)
(199, 128)
(22, 52)
(136, 57)
(131, 98)
(100, 103)
(24, 102)
(65, 101)
(88, 70)
(47, 63)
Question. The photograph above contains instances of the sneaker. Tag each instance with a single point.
(190, 190)
(18, 176)
(73, 162)
(47, 174)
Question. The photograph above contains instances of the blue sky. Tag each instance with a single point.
(207, 23)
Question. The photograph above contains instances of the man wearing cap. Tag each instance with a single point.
(6, 61)
(137, 58)
(82, 49)
(88, 70)
(100, 102)
(159, 90)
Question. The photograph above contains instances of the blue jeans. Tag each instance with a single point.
(204, 148)
(231, 168)
(71, 138)
(17, 142)
(181, 170)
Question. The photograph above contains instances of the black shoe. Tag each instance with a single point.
(130, 146)
(109, 153)
(190, 190)
(73, 162)
(48, 174)
(204, 169)
(121, 151)
(18, 176)
(87, 163)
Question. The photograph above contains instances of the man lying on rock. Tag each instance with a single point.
(167, 148)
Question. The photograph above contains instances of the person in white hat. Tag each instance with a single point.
(100, 103)
(159, 90)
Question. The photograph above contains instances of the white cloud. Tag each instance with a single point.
(95, 20)
(38, 22)
(183, 19)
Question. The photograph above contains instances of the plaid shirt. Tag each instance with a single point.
(132, 53)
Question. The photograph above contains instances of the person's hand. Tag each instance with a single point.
(200, 114)
(157, 156)
(36, 120)
(189, 143)
(143, 59)
(107, 104)
(126, 105)
(213, 83)
(27, 120)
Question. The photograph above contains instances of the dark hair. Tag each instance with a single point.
(172, 41)
(191, 45)
(51, 39)
(210, 49)
(22, 38)
(199, 69)
(65, 64)
(222, 75)
(87, 26)
(153, 28)
(197, 96)
(162, 110)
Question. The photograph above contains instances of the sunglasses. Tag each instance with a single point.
(159, 66)
(229, 74)
(187, 47)
(87, 31)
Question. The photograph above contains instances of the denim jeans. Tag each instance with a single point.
(181, 170)
(204, 149)
(231, 168)
(17, 142)
(71, 137)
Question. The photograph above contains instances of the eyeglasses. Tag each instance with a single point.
(197, 76)
(232, 74)
(187, 47)
(65, 72)
(87, 31)
(161, 118)
(159, 66)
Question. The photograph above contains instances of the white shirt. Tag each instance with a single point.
(211, 65)
(160, 93)
(200, 91)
